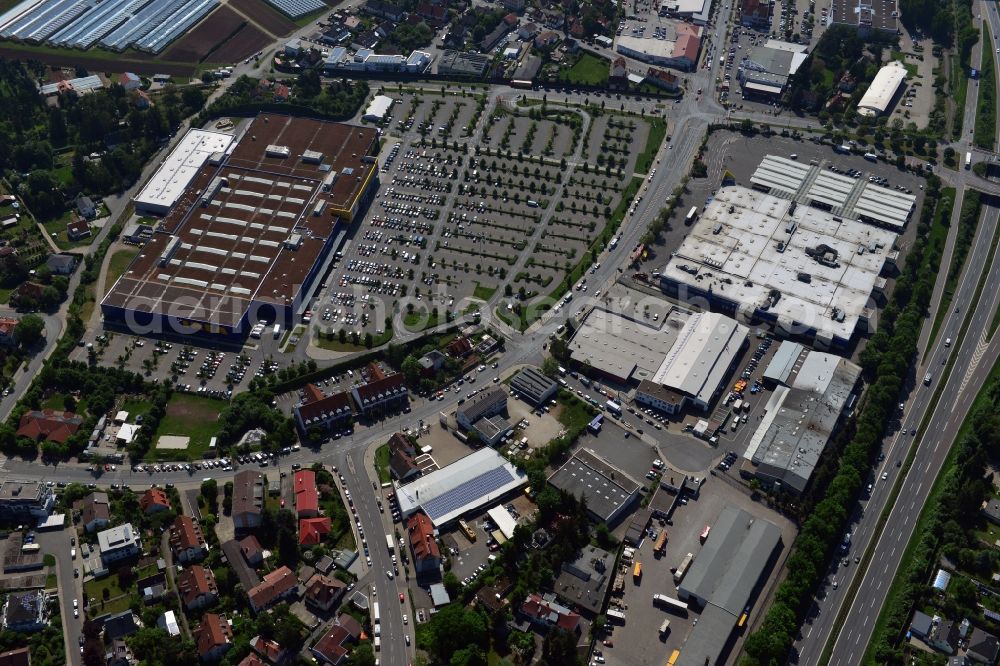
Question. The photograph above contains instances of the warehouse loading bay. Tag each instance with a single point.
(638, 640)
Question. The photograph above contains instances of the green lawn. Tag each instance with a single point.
(959, 76)
(136, 407)
(336, 345)
(382, 456)
(116, 266)
(483, 293)
(588, 70)
(190, 415)
(58, 401)
(94, 588)
(418, 321)
(657, 132)
(573, 412)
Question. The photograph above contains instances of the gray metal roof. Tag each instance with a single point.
(731, 562)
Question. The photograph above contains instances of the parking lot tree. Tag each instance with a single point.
(452, 584)
(210, 491)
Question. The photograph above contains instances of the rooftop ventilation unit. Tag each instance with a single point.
(277, 151)
(312, 157)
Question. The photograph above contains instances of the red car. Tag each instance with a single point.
(401, 598)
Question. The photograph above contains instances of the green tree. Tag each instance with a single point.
(29, 331)
(559, 648)
(550, 366)
(210, 491)
(455, 628)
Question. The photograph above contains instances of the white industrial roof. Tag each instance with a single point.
(378, 108)
(846, 196)
(658, 48)
(749, 245)
(879, 95)
(705, 349)
(180, 167)
(478, 479)
(623, 347)
(504, 521)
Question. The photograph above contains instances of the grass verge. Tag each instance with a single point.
(959, 81)
(334, 343)
(968, 222)
(382, 456)
(657, 132)
(985, 133)
(116, 266)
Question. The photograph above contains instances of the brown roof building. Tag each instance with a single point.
(48, 424)
(251, 550)
(18, 657)
(277, 585)
(197, 588)
(186, 540)
(153, 501)
(332, 647)
(94, 513)
(213, 637)
(248, 499)
(322, 411)
(323, 593)
(426, 554)
(383, 395)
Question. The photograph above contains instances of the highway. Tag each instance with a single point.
(823, 615)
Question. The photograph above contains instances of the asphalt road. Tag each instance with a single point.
(970, 368)
(57, 544)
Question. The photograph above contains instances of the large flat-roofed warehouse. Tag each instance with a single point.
(689, 353)
(724, 577)
(459, 63)
(478, 479)
(810, 272)
(176, 172)
(250, 234)
(865, 15)
(801, 415)
(608, 490)
(533, 386)
(883, 90)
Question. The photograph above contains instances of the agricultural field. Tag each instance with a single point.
(210, 33)
(243, 44)
(269, 19)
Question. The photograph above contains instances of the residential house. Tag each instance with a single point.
(431, 362)
(197, 588)
(26, 295)
(269, 650)
(153, 501)
(332, 647)
(991, 510)
(323, 593)
(277, 585)
(78, 229)
(213, 637)
(48, 424)
(426, 553)
(61, 264)
(25, 611)
(306, 494)
(460, 347)
(382, 396)
(94, 512)
(402, 460)
(85, 207)
(382, 9)
(435, 15)
(187, 541)
(983, 647)
(129, 81)
(663, 79)
(251, 550)
(547, 39)
(244, 572)
(120, 625)
(543, 611)
(25, 500)
(7, 326)
(118, 543)
(324, 412)
(527, 31)
(248, 499)
(312, 530)
(618, 77)
(493, 39)
(281, 93)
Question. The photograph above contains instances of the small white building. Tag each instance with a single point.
(118, 543)
(378, 109)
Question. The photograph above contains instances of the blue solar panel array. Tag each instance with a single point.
(468, 492)
(297, 8)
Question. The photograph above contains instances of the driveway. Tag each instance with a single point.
(57, 543)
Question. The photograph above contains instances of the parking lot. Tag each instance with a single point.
(639, 641)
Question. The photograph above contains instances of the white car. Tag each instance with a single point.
(406, 620)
